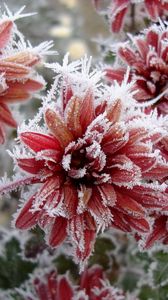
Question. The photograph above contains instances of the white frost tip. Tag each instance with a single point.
(44, 48)
(17, 15)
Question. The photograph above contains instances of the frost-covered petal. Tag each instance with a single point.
(64, 289)
(13, 70)
(58, 127)
(70, 199)
(26, 218)
(30, 165)
(87, 110)
(38, 142)
(5, 32)
(57, 232)
(73, 109)
(6, 116)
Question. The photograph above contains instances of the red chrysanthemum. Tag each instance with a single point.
(93, 286)
(97, 164)
(147, 57)
(119, 9)
(17, 61)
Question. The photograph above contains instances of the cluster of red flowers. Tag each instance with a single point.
(93, 285)
(119, 9)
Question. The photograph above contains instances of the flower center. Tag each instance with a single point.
(83, 160)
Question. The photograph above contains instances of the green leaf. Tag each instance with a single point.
(14, 269)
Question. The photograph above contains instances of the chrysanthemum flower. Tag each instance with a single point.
(119, 9)
(147, 57)
(93, 286)
(95, 162)
(18, 80)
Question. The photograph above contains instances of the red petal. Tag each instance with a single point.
(33, 85)
(2, 134)
(64, 290)
(152, 38)
(127, 55)
(114, 140)
(115, 74)
(58, 127)
(123, 171)
(24, 58)
(150, 198)
(91, 278)
(13, 71)
(27, 219)
(70, 199)
(118, 14)
(58, 232)
(52, 283)
(152, 9)
(129, 206)
(87, 110)
(5, 32)
(142, 47)
(38, 142)
(14, 93)
(119, 221)
(114, 111)
(89, 240)
(140, 225)
(6, 115)
(158, 172)
(51, 184)
(108, 193)
(158, 233)
(73, 116)
(30, 165)
(97, 207)
(41, 289)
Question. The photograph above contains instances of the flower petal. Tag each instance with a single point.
(70, 199)
(58, 128)
(87, 110)
(5, 32)
(30, 165)
(6, 116)
(73, 116)
(64, 290)
(57, 232)
(38, 141)
(13, 71)
(26, 218)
